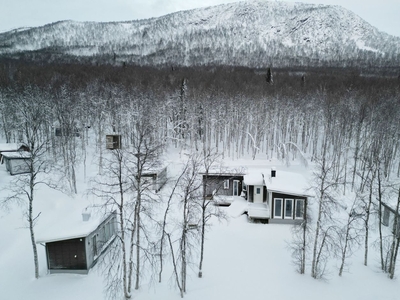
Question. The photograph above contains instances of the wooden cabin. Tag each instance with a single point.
(113, 141)
(223, 187)
(18, 162)
(276, 197)
(77, 247)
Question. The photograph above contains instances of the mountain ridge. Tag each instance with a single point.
(252, 34)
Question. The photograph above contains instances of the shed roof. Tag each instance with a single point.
(16, 154)
(9, 146)
(70, 227)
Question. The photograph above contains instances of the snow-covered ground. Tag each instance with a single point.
(243, 260)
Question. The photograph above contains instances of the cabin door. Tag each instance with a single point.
(236, 188)
(258, 194)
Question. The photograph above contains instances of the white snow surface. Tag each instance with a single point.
(243, 260)
(63, 226)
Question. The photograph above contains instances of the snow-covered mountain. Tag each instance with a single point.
(255, 34)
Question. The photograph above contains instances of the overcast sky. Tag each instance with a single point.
(383, 14)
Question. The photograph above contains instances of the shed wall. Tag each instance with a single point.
(67, 255)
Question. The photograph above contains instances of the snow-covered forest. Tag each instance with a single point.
(344, 126)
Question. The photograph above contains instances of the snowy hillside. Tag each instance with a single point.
(255, 34)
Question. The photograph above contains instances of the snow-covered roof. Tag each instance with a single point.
(16, 154)
(284, 182)
(69, 227)
(224, 171)
(254, 177)
(9, 146)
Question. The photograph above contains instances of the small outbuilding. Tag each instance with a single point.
(156, 179)
(18, 162)
(12, 147)
(391, 217)
(113, 141)
(77, 247)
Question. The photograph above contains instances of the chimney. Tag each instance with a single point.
(86, 215)
(273, 172)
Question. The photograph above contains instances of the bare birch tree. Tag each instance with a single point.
(31, 111)
(186, 232)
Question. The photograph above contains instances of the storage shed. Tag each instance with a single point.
(12, 147)
(17, 162)
(77, 248)
(113, 141)
(389, 216)
(156, 178)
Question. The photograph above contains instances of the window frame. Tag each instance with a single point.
(226, 184)
(281, 211)
(292, 206)
(297, 201)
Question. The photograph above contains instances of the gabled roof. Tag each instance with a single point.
(284, 182)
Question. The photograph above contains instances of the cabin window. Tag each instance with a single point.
(288, 208)
(108, 231)
(103, 234)
(299, 213)
(278, 208)
(94, 243)
(386, 215)
(226, 184)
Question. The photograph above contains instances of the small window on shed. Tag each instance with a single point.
(107, 231)
(94, 245)
(226, 184)
(58, 132)
(386, 215)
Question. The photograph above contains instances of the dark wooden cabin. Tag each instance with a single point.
(77, 253)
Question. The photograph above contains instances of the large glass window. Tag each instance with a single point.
(278, 208)
(288, 208)
(299, 214)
